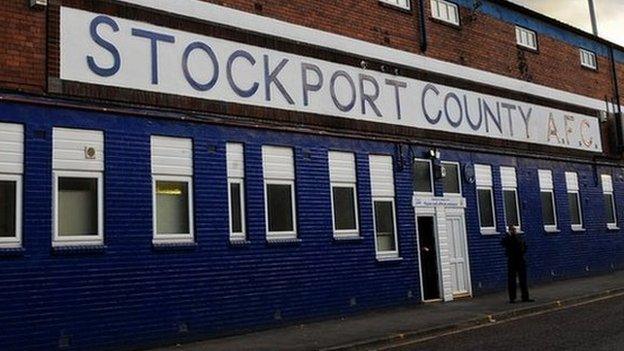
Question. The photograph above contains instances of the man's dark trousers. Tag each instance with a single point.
(517, 269)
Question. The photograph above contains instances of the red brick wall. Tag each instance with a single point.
(484, 43)
(22, 47)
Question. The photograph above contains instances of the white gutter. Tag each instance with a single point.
(226, 16)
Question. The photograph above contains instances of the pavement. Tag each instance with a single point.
(382, 329)
(592, 326)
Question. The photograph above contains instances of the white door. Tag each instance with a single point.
(460, 279)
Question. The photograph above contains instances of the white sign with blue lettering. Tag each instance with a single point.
(111, 51)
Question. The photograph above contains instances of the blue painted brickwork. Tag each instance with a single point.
(542, 28)
(130, 294)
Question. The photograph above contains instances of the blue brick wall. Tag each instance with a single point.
(130, 294)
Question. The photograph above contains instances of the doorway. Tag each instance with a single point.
(458, 260)
(428, 258)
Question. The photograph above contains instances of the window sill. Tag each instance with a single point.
(578, 229)
(396, 7)
(552, 230)
(389, 259)
(612, 227)
(173, 246)
(283, 241)
(492, 231)
(345, 237)
(239, 242)
(445, 23)
(15, 251)
(527, 48)
(67, 248)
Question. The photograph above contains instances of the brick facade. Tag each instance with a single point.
(130, 294)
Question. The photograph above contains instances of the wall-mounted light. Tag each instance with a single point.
(434, 153)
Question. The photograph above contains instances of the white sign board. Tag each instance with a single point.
(111, 51)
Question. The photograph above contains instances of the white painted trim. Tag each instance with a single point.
(261, 24)
(242, 235)
(386, 255)
(395, 3)
(345, 233)
(614, 210)
(282, 235)
(431, 184)
(98, 238)
(173, 238)
(577, 197)
(15, 241)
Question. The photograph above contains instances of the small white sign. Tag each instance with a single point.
(433, 201)
(111, 51)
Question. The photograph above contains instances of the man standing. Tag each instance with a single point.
(515, 247)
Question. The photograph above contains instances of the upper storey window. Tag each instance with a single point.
(445, 11)
(588, 59)
(404, 4)
(526, 38)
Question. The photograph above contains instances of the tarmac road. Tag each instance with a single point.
(594, 326)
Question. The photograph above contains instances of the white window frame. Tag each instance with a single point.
(523, 36)
(431, 183)
(449, 6)
(515, 191)
(611, 225)
(588, 59)
(403, 4)
(345, 233)
(172, 238)
(386, 255)
(16, 240)
(577, 197)
(551, 228)
(237, 236)
(486, 230)
(97, 238)
(280, 235)
(459, 180)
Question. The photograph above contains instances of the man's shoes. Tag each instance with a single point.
(528, 300)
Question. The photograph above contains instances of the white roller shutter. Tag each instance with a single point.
(235, 160)
(382, 176)
(508, 177)
(11, 148)
(607, 183)
(342, 167)
(572, 181)
(545, 179)
(78, 149)
(172, 156)
(483, 175)
(278, 163)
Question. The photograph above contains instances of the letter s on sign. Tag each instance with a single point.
(93, 66)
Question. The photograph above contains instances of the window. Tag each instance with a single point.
(588, 59)
(510, 197)
(451, 183)
(547, 199)
(342, 174)
(236, 190)
(382, 190)
(445, 11)
(78, 168)
(279, 183)
(172, 181)
(423, 178)
(11, 170)
(526, 38)
(404, 4)
(609, 201)
(485, 199)
(574, 201)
